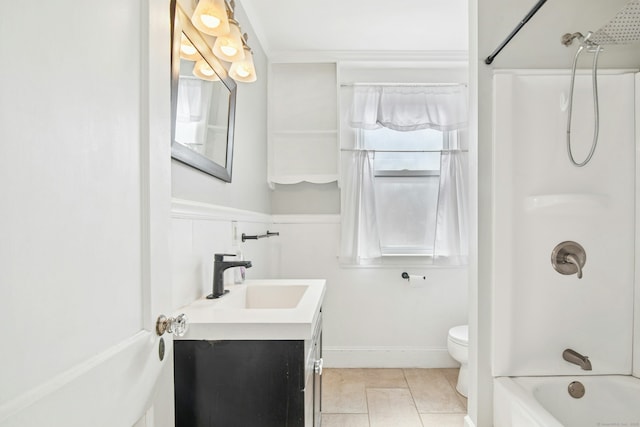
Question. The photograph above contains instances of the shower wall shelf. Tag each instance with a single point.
(585, 203)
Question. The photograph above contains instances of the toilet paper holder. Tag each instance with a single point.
(408, 276)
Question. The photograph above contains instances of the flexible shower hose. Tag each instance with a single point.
(596, 112)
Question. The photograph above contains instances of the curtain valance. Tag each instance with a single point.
(407, 108)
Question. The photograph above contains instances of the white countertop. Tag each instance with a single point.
(226, 318)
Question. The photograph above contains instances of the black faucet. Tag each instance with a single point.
(219, 266)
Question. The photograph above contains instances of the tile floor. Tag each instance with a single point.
(391, 398)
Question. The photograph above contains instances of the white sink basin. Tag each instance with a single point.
(258, 309)
(269, 296)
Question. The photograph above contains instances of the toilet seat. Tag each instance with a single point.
(460, 335)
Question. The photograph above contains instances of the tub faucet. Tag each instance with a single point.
(573, 259)
(576, 358)
(219, 266)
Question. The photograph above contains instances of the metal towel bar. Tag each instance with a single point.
(260, 236)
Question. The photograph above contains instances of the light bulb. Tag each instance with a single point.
(229, 47)
(229, 50)
(204, 71)
(244, 70)
(210, 21)
(210, 17)
(188, 50)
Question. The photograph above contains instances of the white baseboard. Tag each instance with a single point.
(387, 357)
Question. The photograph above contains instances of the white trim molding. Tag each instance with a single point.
(387, 357)
(448, 56)
(306, 219)
(188, 209)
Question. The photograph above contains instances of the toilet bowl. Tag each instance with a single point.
(458, 345)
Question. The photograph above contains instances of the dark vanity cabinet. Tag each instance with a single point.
(249, 383)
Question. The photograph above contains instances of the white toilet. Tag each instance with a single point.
(458, 345)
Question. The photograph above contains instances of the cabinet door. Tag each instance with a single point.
(239, 383)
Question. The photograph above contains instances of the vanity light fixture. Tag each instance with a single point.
(187, 50)
(244, 71)
(210, 17)
(229, 47)
(203, 70)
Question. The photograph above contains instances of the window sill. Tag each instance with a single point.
(396, 261)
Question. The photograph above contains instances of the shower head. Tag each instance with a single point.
(624, 28)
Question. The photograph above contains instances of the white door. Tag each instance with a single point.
(84, 203)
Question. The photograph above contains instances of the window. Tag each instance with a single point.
(407, 177)
(403, 174)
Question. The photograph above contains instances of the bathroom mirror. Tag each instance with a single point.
(202, 110)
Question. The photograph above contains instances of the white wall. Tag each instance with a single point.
(372, 317)
(536, 46)
(198, 231)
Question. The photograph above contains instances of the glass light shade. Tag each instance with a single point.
(229, 47)
(203, 71)
(187, 51)
(210, 17)
(244, 70)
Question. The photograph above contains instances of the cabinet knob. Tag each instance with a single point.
(177, 326)
(317, 366)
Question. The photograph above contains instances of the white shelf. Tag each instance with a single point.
(303, 128)
(297, 179)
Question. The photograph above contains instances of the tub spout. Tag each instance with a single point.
(576, 358)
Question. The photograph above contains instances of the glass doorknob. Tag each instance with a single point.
(177, 326)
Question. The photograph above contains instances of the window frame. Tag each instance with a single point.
(408, 252)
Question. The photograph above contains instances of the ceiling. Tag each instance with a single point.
(359, 26)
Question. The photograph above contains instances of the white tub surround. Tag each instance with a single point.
(545, 402)
(542, 200)
(258, 310)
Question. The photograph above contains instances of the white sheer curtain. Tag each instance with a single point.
(404, 108)
(360, 243)
(452, 225)
(189, 100)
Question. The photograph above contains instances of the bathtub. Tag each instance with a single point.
(609, 401)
